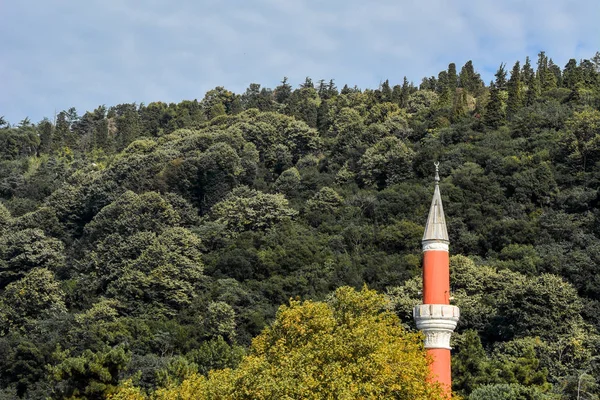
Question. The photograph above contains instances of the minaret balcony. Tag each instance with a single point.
(437, 322)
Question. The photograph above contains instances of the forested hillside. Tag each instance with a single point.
(152, 242)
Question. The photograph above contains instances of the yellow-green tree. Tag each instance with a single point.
(347, 348)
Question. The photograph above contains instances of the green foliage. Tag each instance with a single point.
(163, 278)
(346, 348)
(216, 354)
(544, 305)
(151, 243)
(5, 218)
(389, 161)
(36, 294)
(22, 251)
(247, 209)
(132, 213)
(90, 375)
(507, 392)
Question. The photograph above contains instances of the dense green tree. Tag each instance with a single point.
(248, 209)
(91, 375)
(469, 79)
(288, 182)
(22, 251)
(494, 110)
(257, 98)
(220, 101)
(283, 91)
(34, 295)
(444, 90)
(544, 306)
(582, 139)
(163, 278)
(507, 392)
(531, 83)
(303, 104)
(421, 100)
(571, 74)
(387, 162)
(46, 132)
(326, 201)
(343, 349)
(471, 366)
(545, 73)
(132, 213)
(515, 91)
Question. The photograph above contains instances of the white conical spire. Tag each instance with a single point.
(435, 230)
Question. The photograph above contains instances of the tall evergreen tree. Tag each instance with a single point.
(128, 123)
(322, 89)
(500, 75)
(396, 94)
(283, 91)
(545, 76)
(332, 89)
(46, 132)
(556, 72)
(571, 74)
(308, 83)
(452, 78)
(386, 91)
(443, 90)
(494, 115)
(515, 91)
(469, 79)
(531, 83)
(406, 90)
(428, 84)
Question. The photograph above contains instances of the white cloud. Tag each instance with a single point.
(83, 54)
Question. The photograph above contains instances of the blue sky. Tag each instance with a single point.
(55, 54)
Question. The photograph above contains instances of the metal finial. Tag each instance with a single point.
(437, 171)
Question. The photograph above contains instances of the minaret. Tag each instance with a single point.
(436, 318)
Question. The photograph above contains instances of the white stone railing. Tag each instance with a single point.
(437, 322)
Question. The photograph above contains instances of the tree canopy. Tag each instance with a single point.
(152, 243)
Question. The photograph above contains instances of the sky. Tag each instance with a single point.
(57, 54)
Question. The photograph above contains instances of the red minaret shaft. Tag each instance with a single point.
(436, 317)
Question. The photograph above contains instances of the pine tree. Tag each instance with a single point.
(406, 90)
(308, 84)
(459, 104)
(322, 90)
(452, 78)
(571, 74)
(545, 75)
(428, 83)
(283, 91)
(323, 118)
(46, 132)
(386, 91)
(556, 74)
(469, 79)
(531, 83)
(397, 94)
(494, 115)
(515, 91)
(500, 75)
(443, 90)
(332, 89)
(470, 364)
